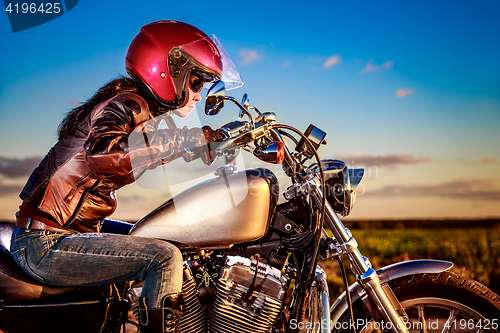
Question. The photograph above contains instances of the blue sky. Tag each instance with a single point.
(411, 89)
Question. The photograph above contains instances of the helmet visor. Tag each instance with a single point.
(209, 61)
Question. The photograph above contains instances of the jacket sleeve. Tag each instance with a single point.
(123, 138)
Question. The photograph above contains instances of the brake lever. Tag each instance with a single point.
(247, 132)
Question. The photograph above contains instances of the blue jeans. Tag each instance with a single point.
(61, 258)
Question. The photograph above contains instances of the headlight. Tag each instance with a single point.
(341, 183)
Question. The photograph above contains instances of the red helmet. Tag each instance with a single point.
(164, 53)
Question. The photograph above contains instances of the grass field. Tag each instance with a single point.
(474, 251)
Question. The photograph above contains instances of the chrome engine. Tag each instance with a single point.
(249, 297)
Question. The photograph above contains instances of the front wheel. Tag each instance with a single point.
(443, 302)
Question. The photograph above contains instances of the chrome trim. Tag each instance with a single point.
(323, 299)
(335, 249)
(340, 232)
(266, 117)
(225, 171)
(386, 274)
(370, 281)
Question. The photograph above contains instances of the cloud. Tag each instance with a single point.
(16, 168)
(388, 64)
(334, 60)
(404, 92)
(486, 160)
(372, 67)
(382, 160)
(285, 64)
(471, 189)
(250, 56)
(10, 189)
(368, 68)
(489, 160)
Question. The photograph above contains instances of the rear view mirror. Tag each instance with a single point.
(215, 98)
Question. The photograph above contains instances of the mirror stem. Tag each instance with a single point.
(232, 99)
(255, 109)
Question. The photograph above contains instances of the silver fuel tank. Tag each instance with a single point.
(215, 214)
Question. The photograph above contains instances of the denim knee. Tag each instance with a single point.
(167, 256)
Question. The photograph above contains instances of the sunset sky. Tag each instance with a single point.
(408, 90)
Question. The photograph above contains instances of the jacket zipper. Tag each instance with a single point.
(76, 187)
(80, 203)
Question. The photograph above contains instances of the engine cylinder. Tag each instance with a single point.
(249, 297)
(193, 319)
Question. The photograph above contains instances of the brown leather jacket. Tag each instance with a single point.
(74, 185)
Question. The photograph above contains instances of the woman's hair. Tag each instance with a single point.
(79, 116)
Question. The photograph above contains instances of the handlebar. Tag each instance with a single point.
(240, 134)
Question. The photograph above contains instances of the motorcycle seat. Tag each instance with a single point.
(15, 283)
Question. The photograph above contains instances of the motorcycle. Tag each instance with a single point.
(251, 264)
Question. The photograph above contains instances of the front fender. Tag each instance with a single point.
(386, 274)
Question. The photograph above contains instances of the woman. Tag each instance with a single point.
(105, 144)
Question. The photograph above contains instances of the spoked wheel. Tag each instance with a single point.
(430, 314)
(445, 303)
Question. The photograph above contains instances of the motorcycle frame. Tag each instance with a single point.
(386, 304)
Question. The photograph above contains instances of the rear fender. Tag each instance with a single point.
(386, 274)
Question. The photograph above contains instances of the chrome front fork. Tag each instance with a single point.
(367, 277)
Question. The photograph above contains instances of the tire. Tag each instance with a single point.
(435, 298)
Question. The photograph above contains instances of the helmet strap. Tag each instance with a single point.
(169, 120)
(179, 65)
